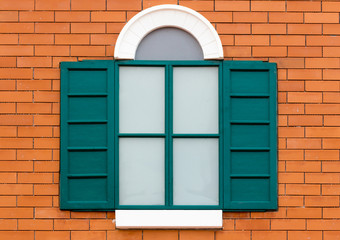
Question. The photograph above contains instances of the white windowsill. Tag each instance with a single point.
(169, 219)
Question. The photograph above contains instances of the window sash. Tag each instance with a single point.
(169, 135)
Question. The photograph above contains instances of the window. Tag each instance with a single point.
(168, 134)
(232, 134)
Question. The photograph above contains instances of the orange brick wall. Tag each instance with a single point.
(303, 38)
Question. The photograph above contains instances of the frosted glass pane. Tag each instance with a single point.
(141, 99)
(141, 171)
(196, 173)
(195, 100)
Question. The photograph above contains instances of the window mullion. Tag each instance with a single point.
(169, 130)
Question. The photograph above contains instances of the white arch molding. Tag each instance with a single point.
(168, 16)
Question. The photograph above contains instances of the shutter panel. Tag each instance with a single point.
(87, 121)
(250, 135)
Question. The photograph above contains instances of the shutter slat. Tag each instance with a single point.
(86, 162)
(250, 144)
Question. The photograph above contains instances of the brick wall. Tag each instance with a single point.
(303, 38)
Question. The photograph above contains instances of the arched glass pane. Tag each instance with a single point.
(169, 44)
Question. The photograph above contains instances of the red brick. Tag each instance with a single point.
(124, 5)
(303, 166)
(198, 5)
(47, 73)
(150, 3)
(332, 121)
(17, 5)
(303, 189)
(234, 235)
(217, 17)
(267, 235)
(71, 224)
(304, 51)
(304, 235)
(124, 235)
(322, 178)
(291, 86)
(302, 212)
(271, 6)
(252, 224)
(72, 16)
(283, 40)
(252, 40)
(331, 235)
(87, 27)
(33, 224)
(291, 109)
(16, 27)
(34, 201)
(160, 234)
(305, 6)
(322, 201)
(88, 214)
(285, 17)
(291, 155)
(87, 50)
(304, 29)
(34, 61)
(330, 7)
(330, 190)
(238, 28)
(88, 235)
(322, 63)
(303, 74)
(290, 201)
(52, 5)
(250, 17)
(103, 39)
(16, 50)
(52, 50)
(51, 213)
(268, 29)
(16, 235)
(233, 51)
(314, 224)
(36, 16)
(46, 189)
(288, 224)
(52, 27)
(196, 234)
(74, 39)
(8, 224)
(88, 5)
(321, 18)
(14, 120)
(16, 213)
(36, 39)
(322, 108)
(7, 62)
(9, 16)
(232, 5)
(331, 143)
(108, 17)
(323, 40)
(43, 235)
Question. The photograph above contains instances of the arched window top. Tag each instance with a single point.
(168, 16)
(169, 44)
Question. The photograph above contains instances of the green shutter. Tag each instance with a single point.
(250, 138)
(87, 135)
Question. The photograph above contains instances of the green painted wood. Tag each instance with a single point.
(250, 135)
(86, 156)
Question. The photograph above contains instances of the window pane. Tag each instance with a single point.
(196, 173)
(141, 171)
(141, 99)
(195, 99)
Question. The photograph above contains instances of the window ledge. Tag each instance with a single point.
(169, 219)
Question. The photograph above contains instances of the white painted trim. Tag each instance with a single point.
(168, 15)
(169, 219)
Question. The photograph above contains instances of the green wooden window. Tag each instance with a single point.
(168, 135)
